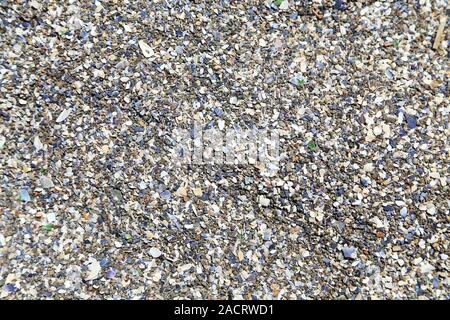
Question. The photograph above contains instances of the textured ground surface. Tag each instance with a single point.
(90, 206)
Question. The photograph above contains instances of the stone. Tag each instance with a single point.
(24, 195)
(197, 192)
(38, 144)
(377, 131)
(146, 50)
(63, 115)
(403, 212)
(93, 270)
(411, 121)
(263, 201)
(155, 252)
(349, 252)
(46, 182)
(166, 195)
(2, 141)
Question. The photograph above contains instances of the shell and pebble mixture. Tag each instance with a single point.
(91, 206)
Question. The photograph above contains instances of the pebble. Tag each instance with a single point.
(411, 121)
(349, 252)
(93, 270)
(38, 144)
(431, 209)
(182, 191)
(198, 192)
(377, 131)
(218, 112)
(284, 5)
(2, 240)
(51, 218)
(63, 115)
(147, 51)
(339, 5)
(264, 201)
(24, 195)
(166, 195)
(403, 212)
(155, 252)
(110, 274)
(46, 182)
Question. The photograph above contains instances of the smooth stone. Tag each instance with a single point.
(166, 195)
(339, 5)
(93, 270)
(117, 195)
(377, 131)
(349, 252)
(411, 121)
(24, 195)
(264, 201)
(110, 274)
(46, 182)
(51, 218)
(403, 212)
(155, 252)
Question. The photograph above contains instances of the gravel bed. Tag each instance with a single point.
(93, 207)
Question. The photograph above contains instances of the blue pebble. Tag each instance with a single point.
(340, 191)
(411, 121)
(166, 195)
(348, 252)
(103, 262)
(10, 288)
(419, 290)
(110, 274)
(435, 283)
(339, 5)
(218, 112)
(364, 182)
(24, 195)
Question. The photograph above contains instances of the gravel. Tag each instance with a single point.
(93, 207)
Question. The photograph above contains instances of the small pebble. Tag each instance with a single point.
(411, 121)
(46, 182)
(155, 252)
(349, 252)
(377, 131)
(63, 115)
(24, 195)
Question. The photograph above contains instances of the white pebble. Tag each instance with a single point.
(155, 252)
(63, 115)
(377, 131)
(264, 201)
(147, 51)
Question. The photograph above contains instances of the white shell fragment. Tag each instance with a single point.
(147, 51)
(63, 115)
(38, 144)
(93, 269)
